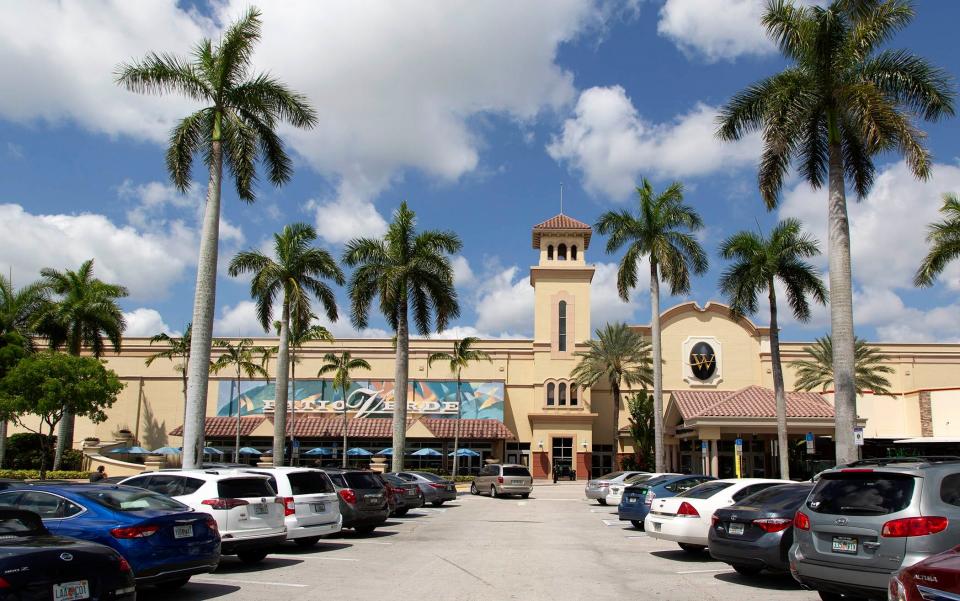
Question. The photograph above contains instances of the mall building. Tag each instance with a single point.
(522, 406)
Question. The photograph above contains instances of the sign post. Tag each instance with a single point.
(704, 457)
(738, 456)
(811, 445)
(858, 441)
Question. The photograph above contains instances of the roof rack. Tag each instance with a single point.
(925, 459)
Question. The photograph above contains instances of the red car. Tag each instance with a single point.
(936, 578)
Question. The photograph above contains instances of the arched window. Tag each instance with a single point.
(573, 252)
(562, 394)
(550, 253)
(573, 394)
(562, 327)
(550, 388)
(562, 252)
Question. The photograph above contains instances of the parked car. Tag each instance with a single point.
(755, 534)
(165, 542)
(685, 518)
(615, 491)
(437, 490)
(402, 496)
(37, 564)
(637, 498)
(500, 480)
(936, 578)
(247, 510)
(311, 508)
(363, 498)
(867, 520)
(598, 488)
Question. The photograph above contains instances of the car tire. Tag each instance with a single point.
(364, 530)
(436, 503)
(692, 548)
(401, 512)
(493, 492)
(252, 556)
(306, 542)
(602, 501)
(525, 495)
(172, 585)
(637, 524)
(473, 489)
(745, 570)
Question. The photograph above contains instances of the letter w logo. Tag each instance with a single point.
(701, 360)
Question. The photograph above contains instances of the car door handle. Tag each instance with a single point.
(871, 545)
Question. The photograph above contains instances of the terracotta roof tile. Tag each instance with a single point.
(476, 429)
(562, 223)
(752, 401)
(226, 426)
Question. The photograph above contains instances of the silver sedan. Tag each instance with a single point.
(436, 489)
(599, 488)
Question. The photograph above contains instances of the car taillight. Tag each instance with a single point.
(918, 526)
(773, 524)
(714, 520)
(801, 521)
(4, 583)
(397, 490)
(348, 495)
(221, 503)
(650, 497)
(212, 524)
(134, 531)
(687, 510)
(437, 485)
(499, 479)
(856, 470)
(124, 565)
(288, 506)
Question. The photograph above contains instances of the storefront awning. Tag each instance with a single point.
(367, 427)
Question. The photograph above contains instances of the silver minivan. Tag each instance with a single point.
(497, 480)
(867, 520)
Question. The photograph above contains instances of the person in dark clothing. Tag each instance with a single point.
(98, 475)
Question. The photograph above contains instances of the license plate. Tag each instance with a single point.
(631, 499)
(411, 493)
(450, 487)
(517, 482)
(318, 507)
(656, 526)
(260, 509)
(735, 529)
(373, 500)
(69, 591)
(183, 531)
(844, 544)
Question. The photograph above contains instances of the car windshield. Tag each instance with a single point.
(653, 481)
(395, 480)
(239, 488)
(21, 525)
(637, 479)
(516, 471)
(309, 483)
(861, 493)
(610, 476)
(776, 497)
(362, 480)
(133, 499)
(705, 490)
(430, 477)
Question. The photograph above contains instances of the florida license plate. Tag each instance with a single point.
(69, 591)
(735, 529)
(183, 531)
(844, 544)
(260, 509)
(318, 507)
(631, 499)
(517, 482)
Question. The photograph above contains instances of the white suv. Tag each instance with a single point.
(311, 505)
(248, 512)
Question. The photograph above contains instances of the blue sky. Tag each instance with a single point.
(472, 112)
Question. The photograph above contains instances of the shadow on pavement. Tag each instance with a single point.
(193, 591)
(683, 556)
(770, 582)
(231, 565)
(349, 533)
(320, 547)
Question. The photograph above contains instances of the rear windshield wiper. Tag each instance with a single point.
(866, 508)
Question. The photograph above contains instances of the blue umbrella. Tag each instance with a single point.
(212, 451)
(132, 451)
(385, 452)
(167, 451)
(464, 453)
(249, 451)
(427, 453)
(319, 451)
(357, 451)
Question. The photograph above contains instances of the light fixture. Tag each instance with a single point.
(540, 444)
(584, 445)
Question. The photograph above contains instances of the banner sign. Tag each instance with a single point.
(366, 398)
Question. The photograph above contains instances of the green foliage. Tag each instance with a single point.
(19, 308)
(640, 407)
(35, 474)
(619, 355)
(817, 371)
(25, 448)
(944, 239)
(462, 356)
(13, 348)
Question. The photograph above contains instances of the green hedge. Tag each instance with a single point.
(465, 478)
(35, 474)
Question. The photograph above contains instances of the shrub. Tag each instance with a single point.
(23, 451)
(35, 474)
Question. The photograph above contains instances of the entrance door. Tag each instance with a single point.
(601, 460)
(563, 453)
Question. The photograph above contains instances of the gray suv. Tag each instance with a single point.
(864, 521)
(500, 480)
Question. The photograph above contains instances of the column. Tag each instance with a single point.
(714, 459)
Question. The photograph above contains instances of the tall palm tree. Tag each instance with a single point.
(621, 356)
(661, 230)
(944, 238)
(462, 356)
(178, 349)
(340, 366)
(758, 262)
(242, 358)
(840, 103)
(407, 271)
(817, 371)
(83, 311)
(302, 331)
(297, 273)
(238, 123)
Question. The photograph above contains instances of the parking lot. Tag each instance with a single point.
(556, 545)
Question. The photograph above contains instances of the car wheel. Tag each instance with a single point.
(525, 495)
(637, 524)
(171, 585)
(691, 548)
(307, 541)
(364, 530)
(602, 501)
(436, 503)
(251, 556)
(493, 492)
(401, 512)
(746, 570)
(473, 489)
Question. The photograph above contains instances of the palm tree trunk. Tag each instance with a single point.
(183, 375)
(657, 367)
(3, 441)
(65, 432)
(236, 445)
(204, 303)
(456, 432)
(345, 427)
(400, 388)
(283, 373)
(293, 401)
(783, 449)
(615, 390)
(841, 312)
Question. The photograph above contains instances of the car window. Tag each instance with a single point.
(637, 479)
(363, 480)
(190, 485)
(309, 483)
(140, 482)
(238, 488)
(407, 477)
(705, 490)
(753, 489)
(168, 485)
(683, 485)
(45, 505)
(338, 480)
(431, 477)
(121, 499)
(610, 476)
(656, 481)
(270, 478)
(21, 525)
(950, 489)
(395, 480)
(783, 496)
(861, 493)
(516, 472)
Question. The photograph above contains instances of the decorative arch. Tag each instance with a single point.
(550, 252)
(573, 252)
(562, 252)
(551, 389)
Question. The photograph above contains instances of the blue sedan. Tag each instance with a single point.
(637, 498)
(164, 541)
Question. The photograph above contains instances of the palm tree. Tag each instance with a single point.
(340, 366)
(462, 356)
(817, 371)
(178, 349)
(408, 272)
(661, 230)
(295, 275)
(944, 237)
(84, 311)
(620, 355)
(841, 102)
(238, 123)
(241, 357)
(302, 331)
(640, 406)
(758, 262)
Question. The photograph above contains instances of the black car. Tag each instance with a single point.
(402, 496)
(363, 498)
(756, 533)
(38, 565)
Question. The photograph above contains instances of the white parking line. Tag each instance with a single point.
(367, 542)
(704, 571)
(637, 536)
(208, 580)
(612, 522)
(323, 558)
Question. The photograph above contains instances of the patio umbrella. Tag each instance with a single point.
(119, 450)
(385, 451)
(464, 453)
(132, 451)
(318, 451)
(427, 453)
(167, 451)
(357, 451)
(212, 451)
(249, 451)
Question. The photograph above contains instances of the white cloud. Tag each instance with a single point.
(146, 322)
(611, 145)
(462, 273)
(458, 332)
(605, 304)
(505, 305)
(347, 216)
(156, 200)
(241, 320)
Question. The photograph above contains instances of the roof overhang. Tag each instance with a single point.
(929, 440)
